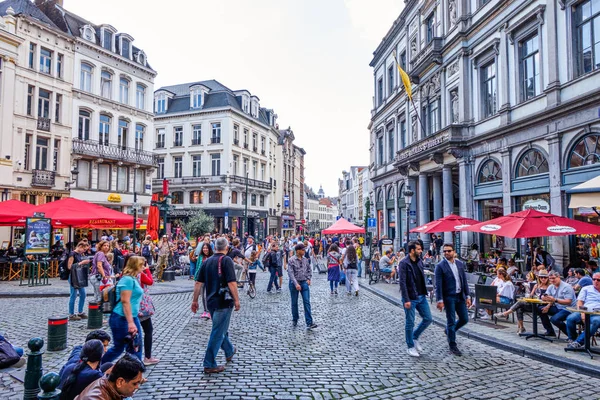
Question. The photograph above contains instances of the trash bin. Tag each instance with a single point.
(57, 333)
(94, 316)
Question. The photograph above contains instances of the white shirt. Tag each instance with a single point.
(454, 269)
(590, 297)
(506, 289)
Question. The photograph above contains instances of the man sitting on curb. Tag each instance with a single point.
(589, 297)
(123, 381)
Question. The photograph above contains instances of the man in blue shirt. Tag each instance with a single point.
(589, 297)
(560, 295)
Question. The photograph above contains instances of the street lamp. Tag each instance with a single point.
(408, 195)
(246, 206)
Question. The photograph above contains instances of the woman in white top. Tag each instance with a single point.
(505, 288)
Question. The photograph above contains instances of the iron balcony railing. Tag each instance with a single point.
(43, 178)
(43, 124)
(113, 152)
(251, 182)
(189, 180)
(195, 142)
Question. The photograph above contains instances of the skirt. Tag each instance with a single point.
(333, 273)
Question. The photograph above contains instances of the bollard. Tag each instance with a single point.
(33, 373)
(57, 333)
(94, 316)
(49, 384)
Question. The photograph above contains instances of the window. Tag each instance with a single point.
(488, 89)
(587, 26)
(125, 48)
(246, 138)
(32, 51)
(262, 145)
(58, 108)
(45, 61)
(104, 130)
(177, 198)
(429, 29)
(178, 136)
(27, 155)
(254, 141)
(245, 166)
(390, 80)
(41, 153)
(103, 176)
(160, 173)
(243, 198)
(30, 93)
(380, 150)
(196, 134)
(140, 180)
(379, 91)
(432, 117)
(585, 152)
(124, 90)
(216, 132)
(215, 160)
(391, 148)
(83, 177)
(403, 135)
(43, 104)
(490, 171)
(85, 80)
(160, 138)
(85, 120)
(196, 98)
(140, 96)
(161, 104)
(215, 196)
(532, 162)
(530, 67)
(254, 170)
(122, 134)
(178, 167)
(196, 197)
(253, 200)
(262, 200)
(236, 134)
(262, 172)
(236, 160)
(106, 84)
(234, 197)
(139, 136)
(107, 39)
(59, 66)
(402, 60)
(196, 165)
(55, 155)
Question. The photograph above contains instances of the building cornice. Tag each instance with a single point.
(45, 27)
(115, 56)
(203, 112)
(115, 105)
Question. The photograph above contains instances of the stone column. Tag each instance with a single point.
(437, 196)
(553, 87)
(558, 244)
(399, 219)
(448, 197)
(465, 184)
(423, 199)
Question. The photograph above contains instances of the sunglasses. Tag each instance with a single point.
(596, 279)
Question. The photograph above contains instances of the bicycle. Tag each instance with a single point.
(251, 288)
(374, 273)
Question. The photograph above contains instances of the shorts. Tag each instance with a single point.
(386, 270)
(505, 300)
(279, 271)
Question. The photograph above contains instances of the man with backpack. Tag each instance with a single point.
(274, 262)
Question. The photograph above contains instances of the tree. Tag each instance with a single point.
(199, 224)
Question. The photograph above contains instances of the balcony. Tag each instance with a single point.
(43, 124)
(263, 152)
(251, 182)
(43, 178)
(215, 140)
(196, 142)
(236, 142)
(193, 180)
(94, 149)
(430, 54)
(255, 149)
(160, 145)
(245, 145)
(178, 143)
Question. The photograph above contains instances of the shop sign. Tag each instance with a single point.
(461, 227)
(114, 198)
(538, 205)
(424, 146)
(180, 212)
(286, 201)
(288, 217)
(561, 229)
(490, 228)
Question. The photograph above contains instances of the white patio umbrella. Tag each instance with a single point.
(586, 194)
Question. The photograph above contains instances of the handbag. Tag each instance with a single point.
(146, 305)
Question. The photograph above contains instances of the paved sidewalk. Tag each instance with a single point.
(503, 335)
(58, 288)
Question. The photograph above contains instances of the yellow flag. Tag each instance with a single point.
(405, 79)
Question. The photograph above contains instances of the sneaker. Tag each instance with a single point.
(311, 327)
(349, 293)
(484, 316)
(82, 315)
(574, 345)
(269, 292)
(278, 290)
(335, 292)
(22, 361)
(151, 361)
(418, 346)
(331, 293)
(74, 317)
(550, 334)
(294, 323)
(454, 350)
(205, 315)
(356, 293)
(413, 352)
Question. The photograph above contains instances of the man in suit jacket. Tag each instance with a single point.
(452, 293)
(414, 296)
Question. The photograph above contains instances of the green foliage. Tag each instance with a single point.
(199, 224)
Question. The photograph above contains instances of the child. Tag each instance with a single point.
(254, 263)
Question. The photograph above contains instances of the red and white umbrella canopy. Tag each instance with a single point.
(450, 223)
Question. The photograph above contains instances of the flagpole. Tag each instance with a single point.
(409, 93)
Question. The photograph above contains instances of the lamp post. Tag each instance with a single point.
(135, 205)
(246, 207)
(408, 195)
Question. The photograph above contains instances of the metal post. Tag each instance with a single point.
(134, 210)
(49, 384)
(33, 373)
(246, 207)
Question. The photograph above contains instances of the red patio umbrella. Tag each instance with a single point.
(533, 223)
(82, 214)
(449, 223)
(342, 226)
(15, 212)
(153, 220)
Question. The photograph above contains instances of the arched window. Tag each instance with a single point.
(380, 196)
(390, 194)
(124, 90)
(585, 152)
(253, 200)
(106, 84)
(85, 120)
(532, 162)
(177, 198)
(234, 197)
(196, 197)
(490, 171)
(85, 81)
(214, 196)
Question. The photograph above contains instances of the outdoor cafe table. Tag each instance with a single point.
(534, 302)
(587, 333)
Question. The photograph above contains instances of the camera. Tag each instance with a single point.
(225, 294)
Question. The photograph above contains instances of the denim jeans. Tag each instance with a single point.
(74, 293)
(305, 292)
(351, 280)
(572, 321)
(192, 268)
(119, 329)
(558, 318)
(420, 305)
(359, 268)
(455, 305)
(333, 284)
(96, 283)
(219, 337)
(273, 279)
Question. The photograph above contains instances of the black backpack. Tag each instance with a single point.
(63, 269)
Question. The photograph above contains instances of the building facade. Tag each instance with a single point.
(217, 148)
(292, 161)
(504, 114)
(350, 186)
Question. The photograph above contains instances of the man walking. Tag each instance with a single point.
(300, 275)
(273, 261)
(218, 275)
(414, 297)
(452, 293)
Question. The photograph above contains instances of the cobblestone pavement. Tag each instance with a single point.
(357, 352)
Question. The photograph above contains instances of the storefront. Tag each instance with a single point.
(379, 207)
(288, 224)
(391, 214)
(488, 197)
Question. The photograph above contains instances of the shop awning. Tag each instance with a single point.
(82, 214)
(586, 194)
(342, 226)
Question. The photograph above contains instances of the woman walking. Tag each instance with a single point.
(124, 322)
(351, 262)
(145, 315)
(205, 253)
(333, 268)
(101, 269)
(76, 259)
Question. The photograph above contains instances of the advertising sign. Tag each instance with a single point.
(538, 205)
(386, 244)
(286, 201)
(38, 232)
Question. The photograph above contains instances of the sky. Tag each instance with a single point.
(306, 59)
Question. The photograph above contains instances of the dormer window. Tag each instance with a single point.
(87, 32)
(161, 103)
(141, 58)
(107, 39)
(196, 98)
(125, 45)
